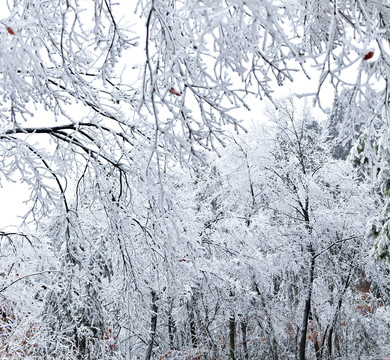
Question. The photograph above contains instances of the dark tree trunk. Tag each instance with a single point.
(171, 328)
(244, 339)
(171, 331)
(232, 336)
(153, 326)
(306, 311)
(336, 314)
(194, 338)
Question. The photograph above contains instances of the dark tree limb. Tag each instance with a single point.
(153, 326)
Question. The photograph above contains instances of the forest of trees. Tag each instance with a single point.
(165, 215)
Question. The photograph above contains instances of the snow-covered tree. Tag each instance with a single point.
(291, 223)
(106, 112)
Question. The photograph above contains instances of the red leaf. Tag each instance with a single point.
(369, 55)
(10, 31)
(181, 260)
(173, 91)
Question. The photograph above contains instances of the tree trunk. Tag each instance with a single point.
(316, 338)
(244, 339)
(335, 316)
(171, 327)
(232, 336)
(153, 326)
(306, 311)
(194, 338)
